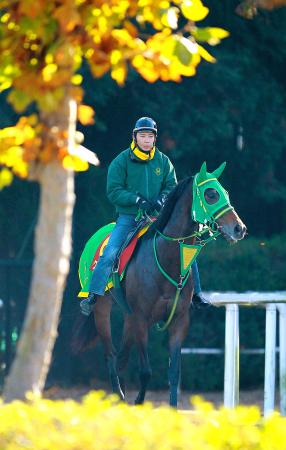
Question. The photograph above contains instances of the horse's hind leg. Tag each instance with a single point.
(145, 368)
(124, 352)
(102, 320)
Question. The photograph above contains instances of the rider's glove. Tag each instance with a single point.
(144, 204)
(158, 204)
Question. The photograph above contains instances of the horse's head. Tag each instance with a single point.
(211, 205)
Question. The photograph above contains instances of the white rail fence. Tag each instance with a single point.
(273, 302)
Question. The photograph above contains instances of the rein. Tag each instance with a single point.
(194, 250)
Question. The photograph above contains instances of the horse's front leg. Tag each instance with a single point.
(145, 371)
(177, 333)
(102, 321)
(174, 373)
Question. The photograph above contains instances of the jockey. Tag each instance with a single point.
(139, 178)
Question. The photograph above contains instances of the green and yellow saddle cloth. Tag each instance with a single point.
(93, 250)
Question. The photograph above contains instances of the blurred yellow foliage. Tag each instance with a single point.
(85, 114)
(12, 145)
(74, 163)
(101, 422)
(43, 44)
(6, 178)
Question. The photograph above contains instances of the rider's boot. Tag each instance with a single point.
(87, 304)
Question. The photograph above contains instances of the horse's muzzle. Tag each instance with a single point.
(231, 227)
(239, 231)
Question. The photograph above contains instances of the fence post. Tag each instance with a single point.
(282, 357)
(270, 356)
(231, 363)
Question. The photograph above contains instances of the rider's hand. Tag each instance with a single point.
(159, 202)
(144, 204)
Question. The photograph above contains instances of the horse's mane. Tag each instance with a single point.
(168, 207)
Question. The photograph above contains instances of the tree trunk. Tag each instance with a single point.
(50, 268)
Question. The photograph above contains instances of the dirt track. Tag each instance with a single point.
(254, 397)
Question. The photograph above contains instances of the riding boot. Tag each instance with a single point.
(198, 297)
(86, 305)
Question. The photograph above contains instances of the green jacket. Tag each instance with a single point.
(127, 177)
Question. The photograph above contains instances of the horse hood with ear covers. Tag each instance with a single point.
(202, 211)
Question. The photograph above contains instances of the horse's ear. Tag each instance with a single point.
(202, 173)
(217, 173)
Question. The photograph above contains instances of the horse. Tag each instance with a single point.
(154, 281)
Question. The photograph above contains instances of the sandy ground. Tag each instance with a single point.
(253, 397)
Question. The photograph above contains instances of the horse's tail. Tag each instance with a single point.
(84, 334)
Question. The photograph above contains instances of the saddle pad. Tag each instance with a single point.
(94, 249)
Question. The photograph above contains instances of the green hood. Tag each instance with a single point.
(202, 211)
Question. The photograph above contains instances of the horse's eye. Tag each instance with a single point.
(211, 196)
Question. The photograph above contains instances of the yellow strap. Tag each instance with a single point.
(206, 181)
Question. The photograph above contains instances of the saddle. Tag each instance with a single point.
(94, 248)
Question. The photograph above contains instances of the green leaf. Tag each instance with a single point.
(184, 50)
(50, 100)
(19, 99)
(211, 35)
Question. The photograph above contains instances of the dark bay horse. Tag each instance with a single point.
(149, 292)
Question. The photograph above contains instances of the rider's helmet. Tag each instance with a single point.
(145, 124)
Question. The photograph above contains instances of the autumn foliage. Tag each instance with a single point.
(100, 422)
(44, 43)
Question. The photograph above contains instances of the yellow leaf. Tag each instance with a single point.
(74, 163)
(48, 71)
(115, 57)
(76, 79)
(206, 55)
(5, 85)
(170, 18)
(137, 61)
(85, 114)
(130, 27)
(218, 33)
(119, 72)
(122, 36)
(99, 69)
(194, 10)
(146, 68)
(6, 178)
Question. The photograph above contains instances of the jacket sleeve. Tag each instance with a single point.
(170, 179)
(117, 192)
